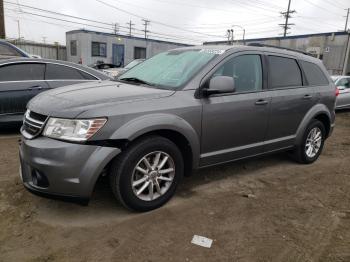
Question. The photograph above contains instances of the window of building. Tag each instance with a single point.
(139, 53)
(284, 72)
(55, 72)
(73, 47)
(98, 49)
(28, 71)
(314, 74)
(246, 71)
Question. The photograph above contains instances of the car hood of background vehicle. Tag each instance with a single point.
(72, 100)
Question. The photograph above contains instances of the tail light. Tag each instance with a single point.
(336, 91)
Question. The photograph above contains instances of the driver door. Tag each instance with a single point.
(234, 125)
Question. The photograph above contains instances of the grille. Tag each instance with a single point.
(32, 124)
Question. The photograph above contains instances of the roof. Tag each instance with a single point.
(281, 37)
(123, 36)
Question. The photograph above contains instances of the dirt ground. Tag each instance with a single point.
(266, 209)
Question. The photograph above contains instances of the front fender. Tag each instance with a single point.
(148, 123)
(316, 110)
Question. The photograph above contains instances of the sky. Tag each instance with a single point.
(185, 21)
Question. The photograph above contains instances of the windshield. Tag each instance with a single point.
(132, 64)
(170, 69)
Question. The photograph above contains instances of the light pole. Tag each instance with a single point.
(241, 27)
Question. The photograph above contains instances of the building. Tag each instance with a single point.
(89, 47)
(332, 48)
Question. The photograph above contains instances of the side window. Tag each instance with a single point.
(139, 52)
(284, 72)
(314, 74)
(8, 51)
(56, 72)
(22, 72)
(246, 71)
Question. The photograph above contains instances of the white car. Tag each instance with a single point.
(343, 85)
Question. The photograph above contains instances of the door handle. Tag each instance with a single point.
(307, 96)
(261, 102)
(35, 88)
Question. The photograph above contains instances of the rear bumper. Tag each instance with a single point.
(62, 170)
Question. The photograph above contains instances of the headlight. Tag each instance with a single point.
(73, 129)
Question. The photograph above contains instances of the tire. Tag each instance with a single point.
(124, 175)
(301, 153)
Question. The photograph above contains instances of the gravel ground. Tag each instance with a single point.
(266, 209)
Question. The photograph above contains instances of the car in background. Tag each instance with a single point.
(343, 85)
(103, 66)
(116, 72)
(8, 50)
(23, 78)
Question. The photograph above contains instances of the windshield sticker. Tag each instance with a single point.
(212, 51)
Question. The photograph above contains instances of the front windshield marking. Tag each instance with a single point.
(170, 69)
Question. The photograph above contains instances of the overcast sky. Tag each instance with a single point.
(187, 21)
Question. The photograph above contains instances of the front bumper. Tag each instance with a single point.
(60, 169)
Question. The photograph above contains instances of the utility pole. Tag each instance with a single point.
(2, 20)
(130, 24)
(19, 29)
(146, 23)
(287, 15)
(347, 19)
(116, 28)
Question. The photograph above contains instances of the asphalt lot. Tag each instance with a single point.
(266, 209)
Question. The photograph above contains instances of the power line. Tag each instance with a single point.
(154, 21)
(92, 21)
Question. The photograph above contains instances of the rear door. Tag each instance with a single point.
(58, 75)
(291, 99)
(19, 83)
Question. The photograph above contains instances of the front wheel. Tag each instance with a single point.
(312, 144)
(146, 175)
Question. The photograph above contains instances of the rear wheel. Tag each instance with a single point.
(146, 175)
(312, 144)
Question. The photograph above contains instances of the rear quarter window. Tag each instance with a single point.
(22, 72)
(284, 72)
(313, 74)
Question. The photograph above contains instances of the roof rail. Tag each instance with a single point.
(279, 47)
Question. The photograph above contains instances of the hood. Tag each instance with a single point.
(72, 100)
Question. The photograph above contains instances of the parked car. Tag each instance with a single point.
(103, 66)
(116, 72)
(343, 85)
(8, 50)
(23, 78)
(180, 110)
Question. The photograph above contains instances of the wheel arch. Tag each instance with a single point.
(172, 127)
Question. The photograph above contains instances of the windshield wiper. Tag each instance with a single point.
(136, 80)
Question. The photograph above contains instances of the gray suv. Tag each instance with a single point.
(181, 110)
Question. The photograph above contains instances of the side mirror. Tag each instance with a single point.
(220, 85)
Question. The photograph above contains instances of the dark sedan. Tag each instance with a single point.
(23, 78)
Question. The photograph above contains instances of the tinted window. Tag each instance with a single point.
(99, 49)
(313, 74)
(246, 71)
(284, 72)
(54, 72)
(21, 72)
